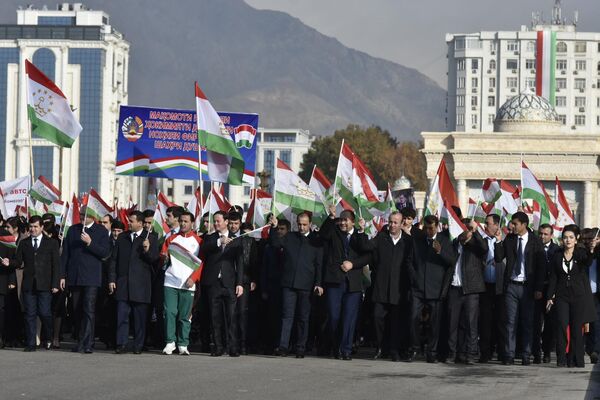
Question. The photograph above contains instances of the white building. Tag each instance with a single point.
(88, 59)
(487, 68)
(287, 144)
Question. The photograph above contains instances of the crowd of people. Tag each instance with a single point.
(410, 292)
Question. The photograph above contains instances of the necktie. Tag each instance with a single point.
(347, 245)
(35, 244)
(518, 267)
(429, 242)
(134, 237)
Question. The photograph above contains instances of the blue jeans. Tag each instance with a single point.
(37, 303)
(519, 312)
(343, 305)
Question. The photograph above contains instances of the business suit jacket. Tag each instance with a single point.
(474, 254)
(228, 261)
(391, 268)
(249, 259)
(552, 248)
(303, 257)
(535, 259)
(575, 286)
(41, 268)
(333, 241)
(82, 264)
(430, 267)
(131, 269)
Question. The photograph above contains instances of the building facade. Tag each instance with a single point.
(88, 59)
(487, 68)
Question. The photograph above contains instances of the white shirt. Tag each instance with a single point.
(457, 278)
(138, 233)
(489, 274)
(521, 276)
(89, 226)
(567, 265)
(396, 239)
(39, 240)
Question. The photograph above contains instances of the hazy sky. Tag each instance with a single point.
(412, 33)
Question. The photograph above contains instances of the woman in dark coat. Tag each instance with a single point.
(570, 293)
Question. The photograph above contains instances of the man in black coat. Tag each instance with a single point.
(523, 283)
(39, 257)
(134, 256)
(434, 255)
(345, 250)
(391, 264)
(463, 283)
(8, 279)
(84, 248)
(222, 277)
(301, 276)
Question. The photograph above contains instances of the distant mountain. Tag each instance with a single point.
(262, 61)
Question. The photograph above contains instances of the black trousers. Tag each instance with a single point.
(492, 322)
(222, 302)
(544, 328)
(435, 317)
(387, 315)
(37, 304)
(295, 306)
(569, 314)
(2, 316)
(463, 310)
(241, 316)
(84, 306)
(140, 313)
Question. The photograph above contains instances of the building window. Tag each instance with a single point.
(580, 120)
(491, 118)
(274, 138)
(598, 47)
(460, 119)
(562, 118)
(580, 83)
(580, 101)
(511, 83)
(56, 21)
(530, 83)
(269, 166)
(460, 100)
(531, 46)
(597, 101)
(580, 65)
(580, 47)
(286, 156)
(491, 101)
(561, 64)
(494, 45)
(598, 120)
(460, 83)
(561, 101)
(473, 101)
(561, 83)
(492, 64)
(474, 82)
(512, 45)
(474, 119)
(459, 44)
(475, 63)
(530, 64)
(512, 64)
(170, 192)
(492, 82)
(460, 64)
(561, 47)
(473, 43)
(188, 189)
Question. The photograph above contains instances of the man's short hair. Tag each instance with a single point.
(547, 226)
(348, 214)
(304, 215)
(176, 211)
(284, 222)
(246, 226)
(139, 216)
(36, 218)
(148, 213)
(431, 219)
(111, 219)
(234, 216)
(408, 212)
(189, 214)
(223, 214)
(237, 209)
(494, 217)
(521, 217)
(118, 225)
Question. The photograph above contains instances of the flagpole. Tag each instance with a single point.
(521, 169)
(86, 211)
(31, 149)
(476, 206)
(254, 211)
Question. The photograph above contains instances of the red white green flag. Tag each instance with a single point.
(259, 208)
(43, 190)
(72, 215)
(441, 192)
(565, 215)
(342, 186)
(224, 161)
(490, 191)
(163, 203)
(8, 241)
(49, 110)
(159, 225)
(57, 208)
(533, 189)
(96, 207)
(455, 225)
(545, 63)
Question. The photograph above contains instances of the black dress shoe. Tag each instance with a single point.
(300, 355)
(280, 352)
(525, 361)
(216, 353)
(346, 357)
(410, 356)
(431, 359)
(378, 354)
(29, 349)
(337, 356)
(244, 351)
(121, 350)
(537, 359)
(593, 358)
(234, 354)
(88, 351)
(483, 360)
(395, 357)
(508, 361)
(137, 351)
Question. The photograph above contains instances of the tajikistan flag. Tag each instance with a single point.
(44, 191)
(49, 110)
(159, 225)
(545, 66)
(224, 161)
(96, 207)
(342, 186)
(534, 190)
(565, 215)
(441, 192)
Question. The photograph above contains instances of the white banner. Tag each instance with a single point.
(15, 191)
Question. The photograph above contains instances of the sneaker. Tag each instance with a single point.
(183, 351)
(169, 348)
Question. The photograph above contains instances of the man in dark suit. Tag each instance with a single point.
(223, 278)
(492, 321)
(434, 255)
(39, 257)
(462, 285)
(523, 283)
(391, 264)
(84, 248)
(133, 259)
(544, 325)
(589, 237)
(301, 276)
(344, 248)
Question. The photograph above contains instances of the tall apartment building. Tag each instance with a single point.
(88, 59)
(487, 68)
